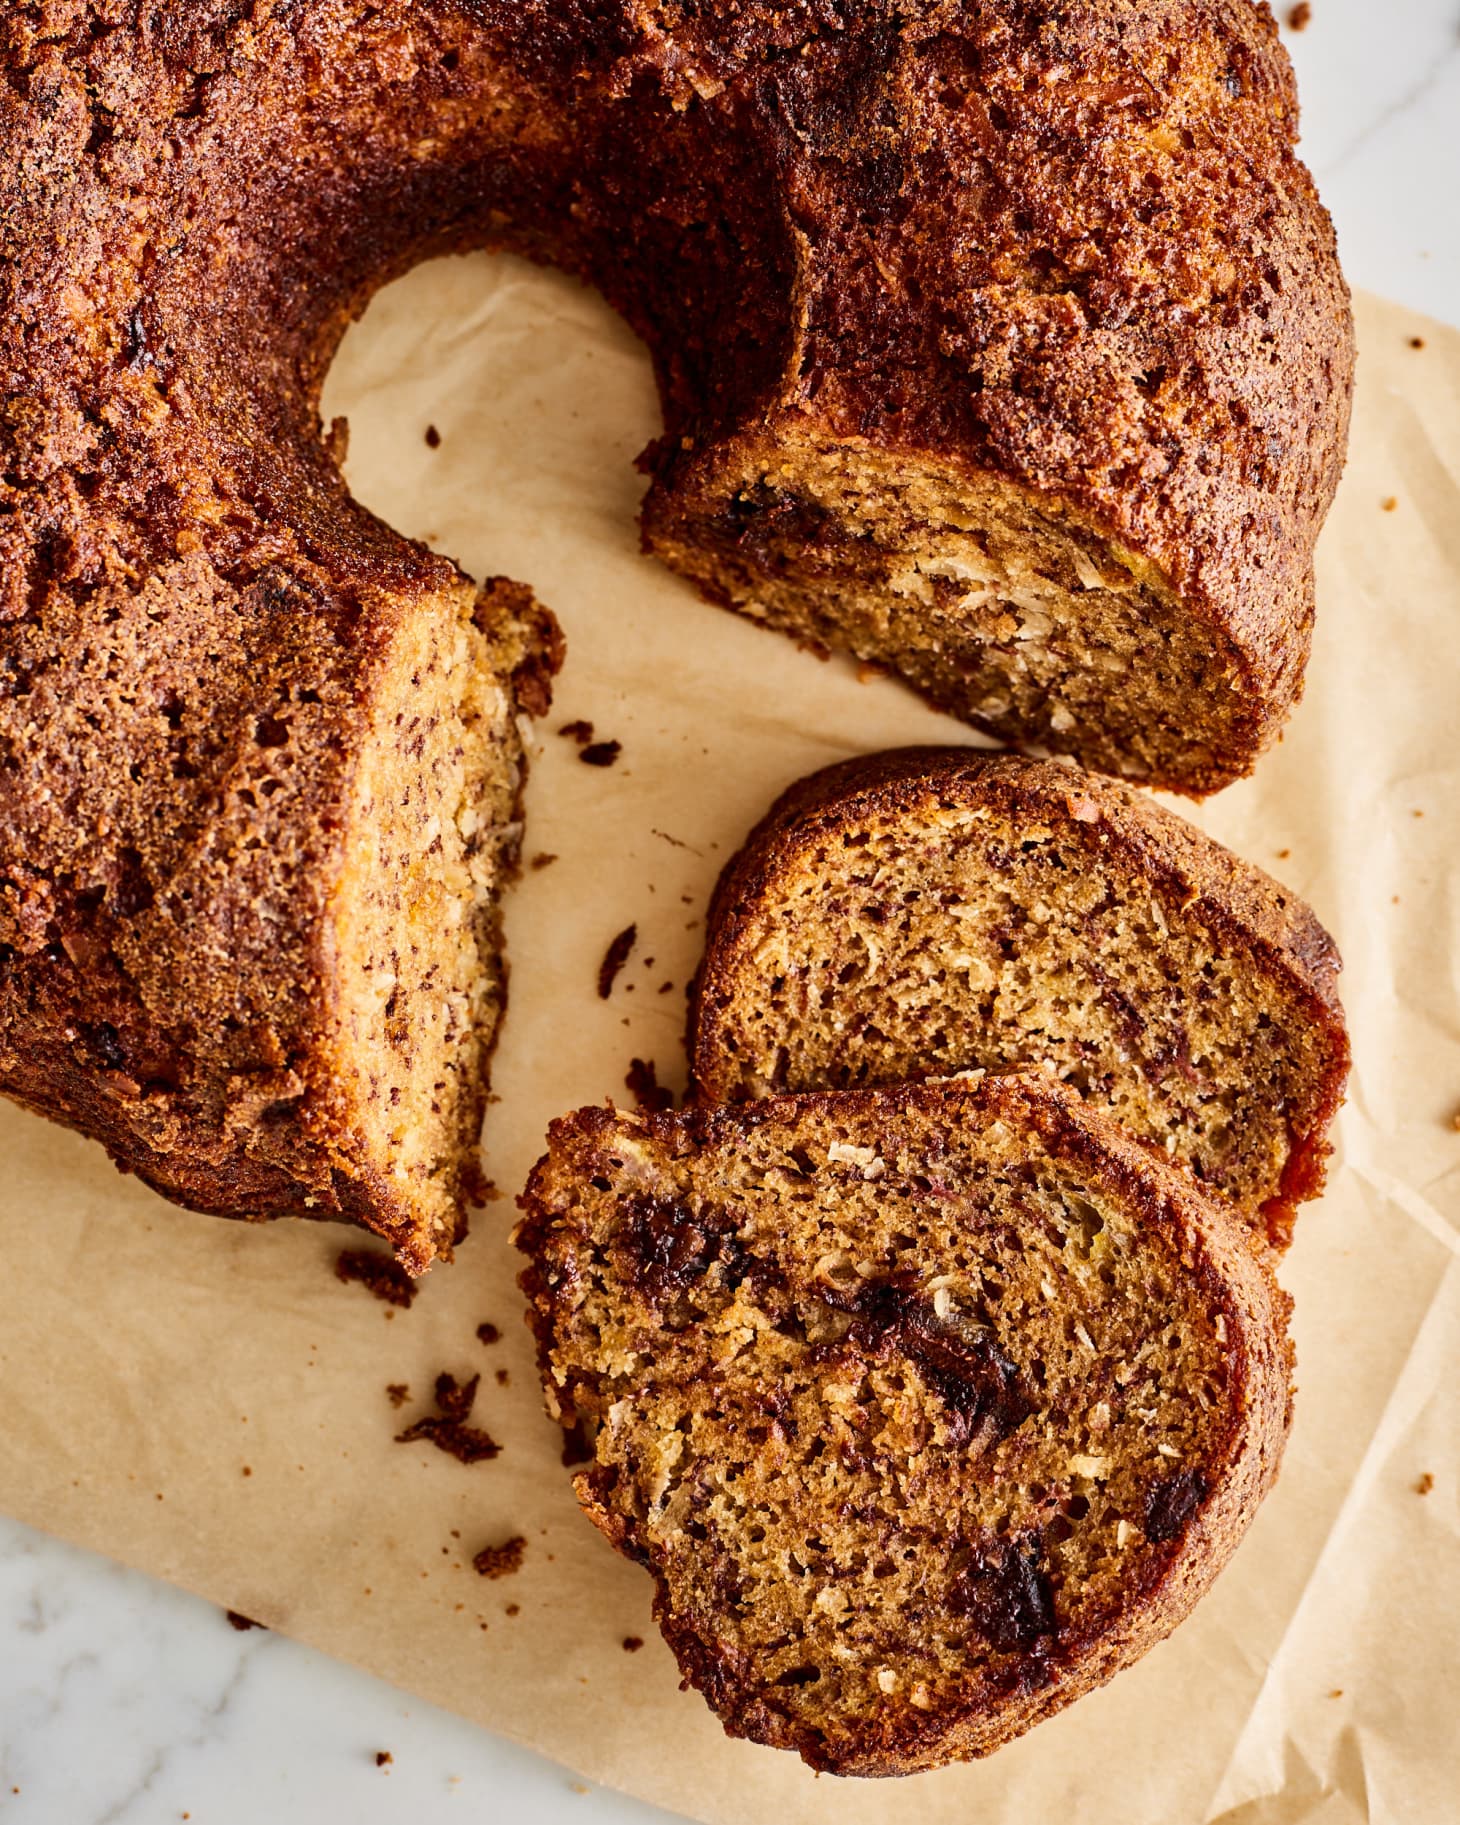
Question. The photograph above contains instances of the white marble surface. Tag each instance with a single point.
(123, 1700)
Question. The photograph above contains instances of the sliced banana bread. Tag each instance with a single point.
(928, 1409)
(935, 910)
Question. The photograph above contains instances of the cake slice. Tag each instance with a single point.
(935, 910)
(928, 1409)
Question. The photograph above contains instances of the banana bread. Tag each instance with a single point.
(935, 910)
(927, 1409)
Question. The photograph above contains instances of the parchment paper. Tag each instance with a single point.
(207, 1402)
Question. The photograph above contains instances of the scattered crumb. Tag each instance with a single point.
(578, 1787)
(399, 1392)
(614, 958)
(643, 1084)
(1283, 854)
(501, 1561)
(543, 859)
(383, 1758)
(1424, 1484)
(513, 1609)
(632, 1643)
(665, 987)
(237, 1620)
(1416, 814)
(247, 1470)
(674, 841)
(1300, 17)
(433, 438)
(1389, 503)
(1416, 342)
(378, 1274)
(580, 731)
(488, 1334)
(576, 1449)
(503, 1377)
(448, 1430)
(455, 1399)
(1337, 1692)
(601, 753)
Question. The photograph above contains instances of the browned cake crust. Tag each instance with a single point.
(928, 1409)
(1052, 290)
(933, 910)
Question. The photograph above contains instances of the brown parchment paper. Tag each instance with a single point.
(207, 1402)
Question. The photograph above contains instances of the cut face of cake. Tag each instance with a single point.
(927, 1409)
(932, 911)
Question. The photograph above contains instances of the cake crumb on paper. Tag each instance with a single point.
(379, 1274)
(500, 1561)
(614, 958)
(1424, 1484)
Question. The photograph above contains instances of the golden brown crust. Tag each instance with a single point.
(1267, 928)
(1101, 275)
(601, 1365)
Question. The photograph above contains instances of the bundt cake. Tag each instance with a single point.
(1003, 346)
(927, 1409)
(938, 910)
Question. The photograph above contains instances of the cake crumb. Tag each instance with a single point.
(455, 1399)
(237, 1620)
(632, 1643)
(665, 988)
(513, 1609)
(543, 859)
(398, 1392)
(488, 1334)
(1337, 1692)
(1300, 17)
(447, 1429)
(576, 1449)
(1389, 503)
(579, 731)
(1283, 854)
(383, 1758)
(601, 753)
(500, 1561)
(433, 438)
(1424, 1484)
(614, 958)
(1416, 342)
(503, 1377)
(643, 1084)
(378, 1274)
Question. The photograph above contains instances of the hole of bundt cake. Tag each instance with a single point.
(996, 604)
(417, 923)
